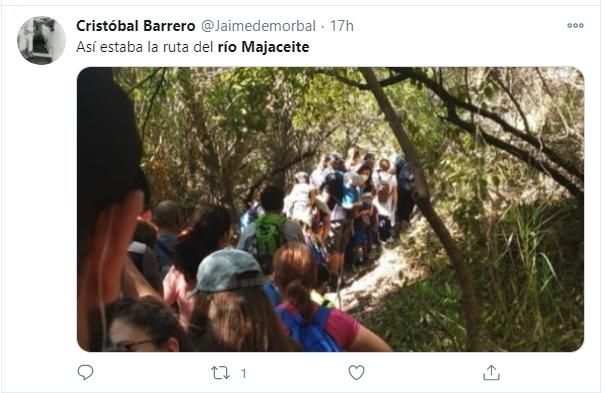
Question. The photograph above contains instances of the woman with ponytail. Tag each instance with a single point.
(207, 232)
(295, 275)
(232, 312)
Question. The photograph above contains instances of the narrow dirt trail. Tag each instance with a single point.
(391, 271)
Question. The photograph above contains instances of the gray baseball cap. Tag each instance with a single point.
(221, 271)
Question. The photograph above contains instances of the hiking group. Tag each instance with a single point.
(146, 282)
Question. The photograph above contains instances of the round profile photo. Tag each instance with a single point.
(41, 40)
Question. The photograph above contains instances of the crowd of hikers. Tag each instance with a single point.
(341, 211)
(149, 282)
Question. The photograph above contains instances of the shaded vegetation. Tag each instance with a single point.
(530, 287)
(501, 150)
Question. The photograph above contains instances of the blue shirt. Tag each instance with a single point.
(165, 246)
(351, 194)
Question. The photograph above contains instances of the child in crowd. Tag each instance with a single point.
(365, 227)
(166, 218)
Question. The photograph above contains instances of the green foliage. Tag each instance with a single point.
(520, 234)
(424, 316)
(536, 278)
(219, 134)
(530, 287)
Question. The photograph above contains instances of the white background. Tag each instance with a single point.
(38, 156)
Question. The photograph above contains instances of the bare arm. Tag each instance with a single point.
(325, 227)
(134, 285)
(394, 188)
(367, 341)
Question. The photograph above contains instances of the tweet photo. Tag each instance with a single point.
(301, 197)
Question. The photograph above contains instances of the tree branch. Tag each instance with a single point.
(449, 99)
(151, 103)
(495, 79)
(392, 80)
(257, 183)
(144, 80)
(521, 154)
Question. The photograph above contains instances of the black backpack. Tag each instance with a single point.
(406, 179)
(333, 183)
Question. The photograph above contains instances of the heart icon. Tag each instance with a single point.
(356, 372)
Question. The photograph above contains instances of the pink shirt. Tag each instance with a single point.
(341, 326)
(176, 291)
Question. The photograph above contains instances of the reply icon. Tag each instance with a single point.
(85, 371)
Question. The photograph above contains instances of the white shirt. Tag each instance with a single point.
(388, 208)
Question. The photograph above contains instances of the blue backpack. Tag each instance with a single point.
(311, 336)
(272, 293)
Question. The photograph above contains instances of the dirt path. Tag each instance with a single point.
(388, 273)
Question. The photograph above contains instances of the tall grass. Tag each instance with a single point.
(528, 273)
(523, 277)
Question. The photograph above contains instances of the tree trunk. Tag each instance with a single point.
(422, 196)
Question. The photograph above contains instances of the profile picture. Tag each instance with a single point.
(41, 40)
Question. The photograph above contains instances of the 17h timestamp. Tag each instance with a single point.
(341, 25)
